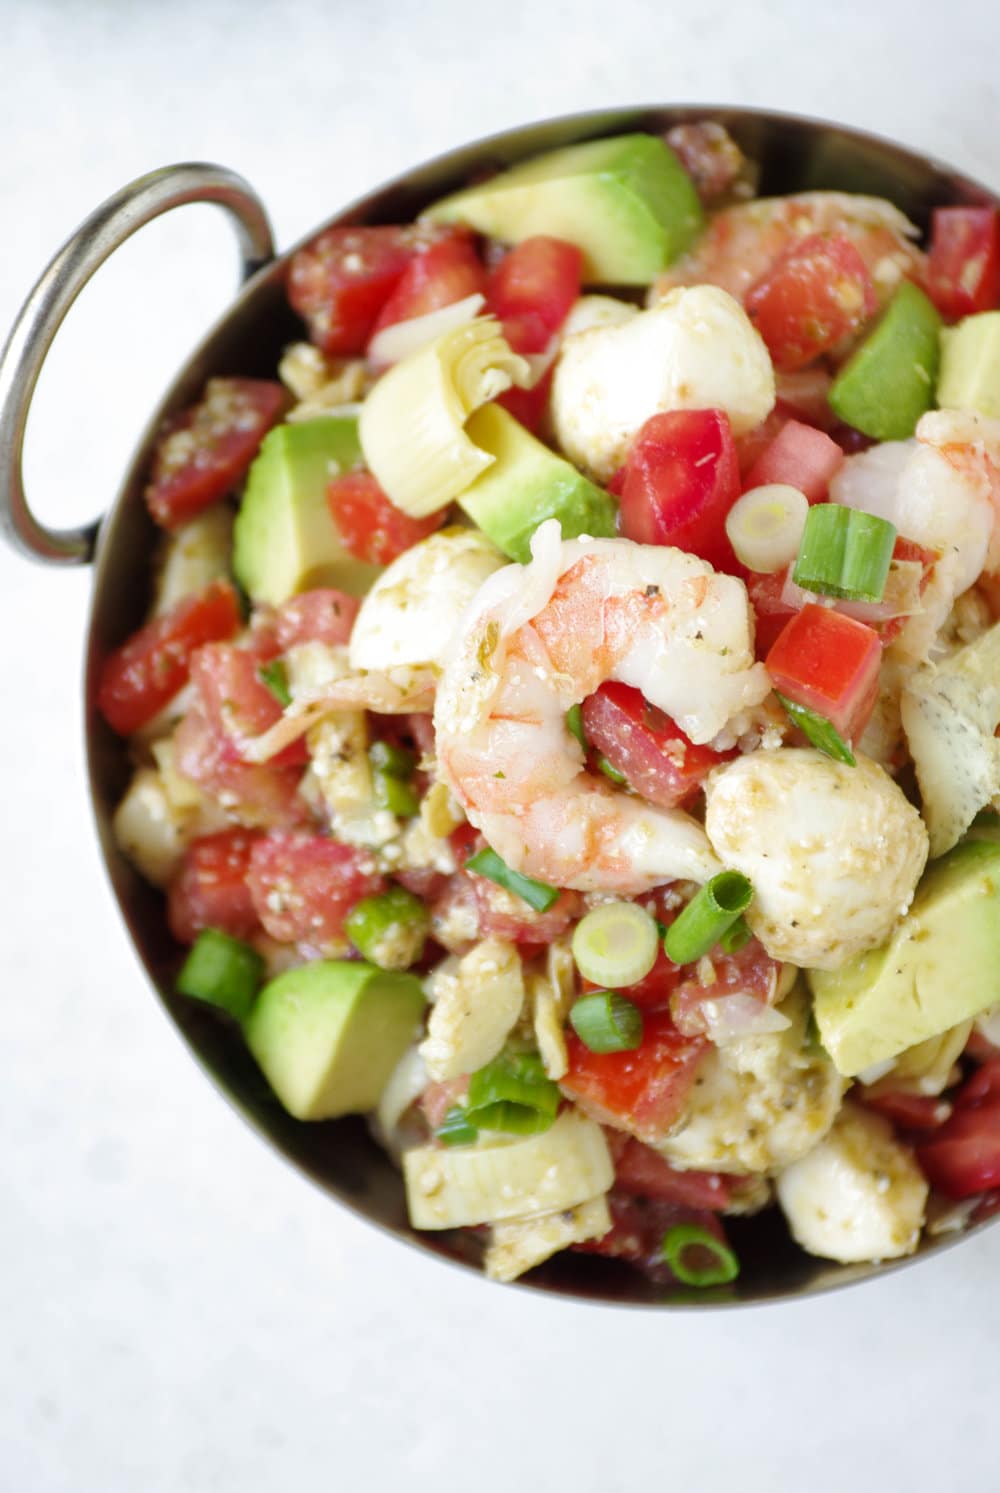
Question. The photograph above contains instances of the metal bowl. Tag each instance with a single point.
(795, 154)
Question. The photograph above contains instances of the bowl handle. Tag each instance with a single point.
(43, 312)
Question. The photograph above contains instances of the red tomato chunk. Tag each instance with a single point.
(532, 290)
(642, 1091)
(371, 527)
(446, 272)
(303, 886)
(681, 478)
(639, 1226)
(267, 796)
(206, 451)
(642, 1171)
(963, 1157)
(652, 753)
(235, 703)
(799, 456)
(829, 663)
(210, 890)
(963, 271)
(144, 674)
(815, 296)
(320, 616)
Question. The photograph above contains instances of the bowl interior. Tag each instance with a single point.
(795, 154)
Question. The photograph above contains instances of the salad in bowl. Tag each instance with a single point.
(564, 728)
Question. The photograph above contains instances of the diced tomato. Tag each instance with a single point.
(529, 405)
(264, 795)
(236, 703)
(799, 456)
(804, 394)
(142, 676)
(681, 478)
(829, 663)
(206, 450)
(642, 1091)
(963, 1157)
(750, 971)
(504, 915)
(455, 913)
(750, 445)
(371, 527)
(909, 1111)
(653, 992)
(438, 1098)
(642, 1171)
(653, 754)
(963, 271)
(320, 616)
(532, 289)
(210, 890)
(984, 1084)
(447, 272)
(303, 886)
(979, 1047)
(813, 297)
(772, 611)
(639, 1226)
(339, 283)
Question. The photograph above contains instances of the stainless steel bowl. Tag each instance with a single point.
(795, 154)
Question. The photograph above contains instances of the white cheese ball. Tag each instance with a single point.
(834, 852)
(409, 615)
(859, 1195)
(696, 349)
(757, 1103)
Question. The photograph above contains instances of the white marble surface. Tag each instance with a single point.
(179, 1311)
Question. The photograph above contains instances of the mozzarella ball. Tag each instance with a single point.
(696, 349)
(834, 852)
(409, 615)
(858, 1195)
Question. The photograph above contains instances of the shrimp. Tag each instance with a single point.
(970, 444)
(538, 639)
(743, 241)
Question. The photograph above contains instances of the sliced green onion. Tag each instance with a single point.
(397, 761)
(537, 895)
(455, 1129)
(222, 971)
(765, 526)
(822, 733)
(713, 910)
(616, 944)
(275, 677)
(722, 1268)
(609, 771)
(513, 1093)
(736, 937)
(844, 553)
(392, 793)
(574, 724)
(606, 1022)
(389, 929)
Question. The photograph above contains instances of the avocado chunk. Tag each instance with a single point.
(970, 365)
(627, 203)
(328, 1034)
(888, 383)
(526, 484)
(285, 539)
(941, 966)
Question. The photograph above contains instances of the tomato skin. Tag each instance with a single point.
(304, 885)
(206, 450)
(963, 1157)
(645, 1173)
(142, 675)
(963, 270)
(642, 1091)
(446, 272)
(829, 663)
(799, 456)
(653, 754)
(532, 289)
(680, 480)
(339, 283)
(323, 615)
(813, 297)
(210, 890)
(371, 527)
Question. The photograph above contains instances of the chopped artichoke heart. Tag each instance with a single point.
(561, 1168)
(522, 1243)
(412, 423)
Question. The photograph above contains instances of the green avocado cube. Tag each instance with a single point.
(285, 540)
(328, 1034)
(626, 202)
(940, 967)
(970, 365)
(526, 484)
(888, 383)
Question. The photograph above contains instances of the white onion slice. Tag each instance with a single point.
(733, 1016)
(402, 338)
(765, 526)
